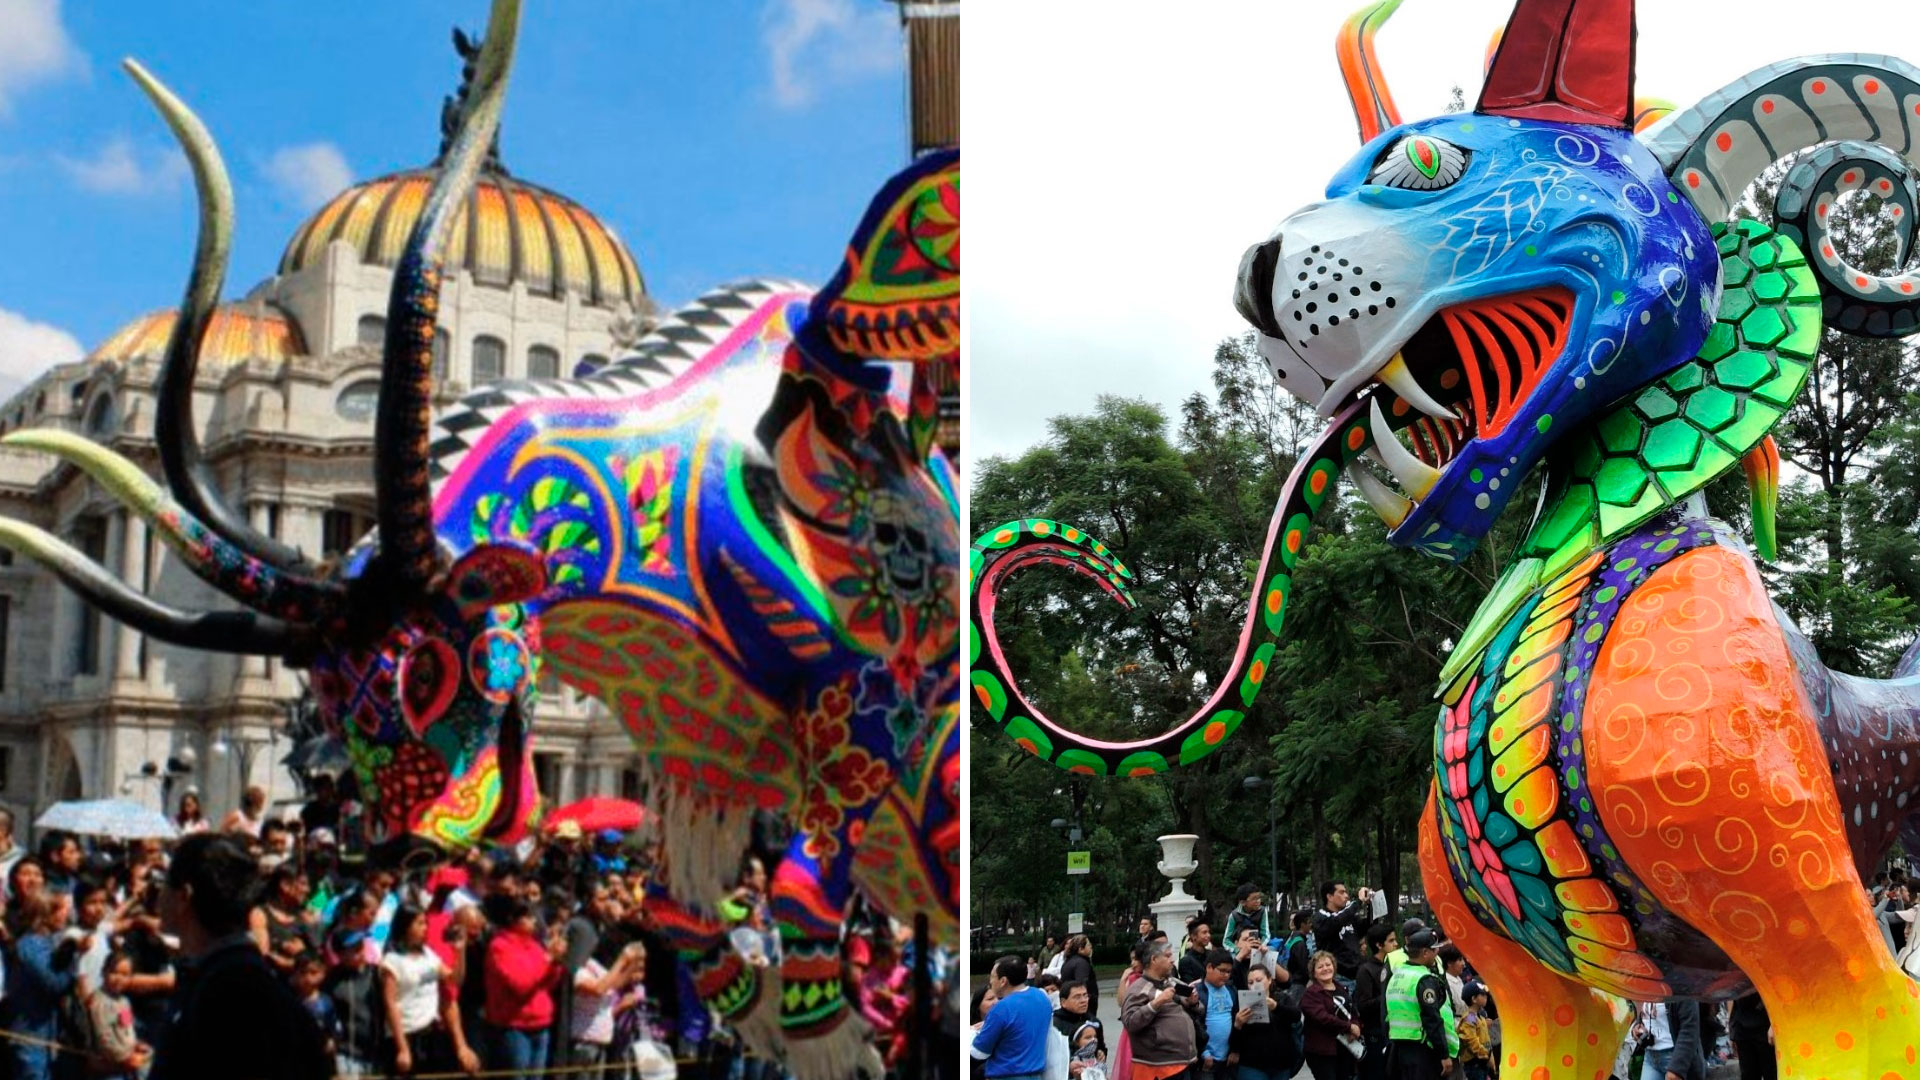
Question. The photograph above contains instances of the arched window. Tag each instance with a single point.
(442, 348)
(542, 363)
(357, 402)
(100, 415)
(589, 364)
(373, 330)
(489, 359)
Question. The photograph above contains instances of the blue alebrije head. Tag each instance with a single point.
(1566, 212)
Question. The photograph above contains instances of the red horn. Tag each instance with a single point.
(1564, 60)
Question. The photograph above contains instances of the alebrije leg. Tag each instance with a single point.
(1713, 782)
(824, 1037)
(1553, 1028)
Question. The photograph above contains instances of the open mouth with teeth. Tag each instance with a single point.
(1464, 375)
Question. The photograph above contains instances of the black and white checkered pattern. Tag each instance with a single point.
(662, 356)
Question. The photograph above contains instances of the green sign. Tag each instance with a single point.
(1079, 862)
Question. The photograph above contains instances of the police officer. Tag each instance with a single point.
(1422, 1043)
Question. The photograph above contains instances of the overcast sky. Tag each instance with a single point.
(1119, 163)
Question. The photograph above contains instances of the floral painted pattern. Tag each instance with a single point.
(836, 774)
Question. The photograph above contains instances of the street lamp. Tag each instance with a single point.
(244, 748)
(167, 775)
(1255, 783)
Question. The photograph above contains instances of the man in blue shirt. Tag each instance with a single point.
(1221, 1003)
(1013, 1041)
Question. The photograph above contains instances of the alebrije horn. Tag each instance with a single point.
(1568, 61)
(403, 423)
(188, 475)
(1373, 105)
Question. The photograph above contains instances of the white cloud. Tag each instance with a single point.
(307, 176)
(34, 48)
(28, 348)
(1118, 167)
(121, 168)
(813, 44)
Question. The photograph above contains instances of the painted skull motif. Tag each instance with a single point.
(901, 543)
(434, 714)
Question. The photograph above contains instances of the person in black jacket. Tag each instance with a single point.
(1193, 965)
(1078, 966)
(1689, 1060)
(1075, 1015)
(1267, 1050)
(232, 1018)
(1295, 951)
(1370, 1000)
(1339, 926)
(1752, 1031)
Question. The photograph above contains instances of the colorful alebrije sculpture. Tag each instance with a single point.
(737, 539)
(1647, 786)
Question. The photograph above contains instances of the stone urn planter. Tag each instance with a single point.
(1172, 911)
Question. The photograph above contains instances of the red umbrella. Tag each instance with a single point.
(599, 812)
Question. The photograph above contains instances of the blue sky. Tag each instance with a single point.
(719, 139)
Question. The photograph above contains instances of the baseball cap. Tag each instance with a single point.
(348, 940)
(567, 830)
(1420, 939)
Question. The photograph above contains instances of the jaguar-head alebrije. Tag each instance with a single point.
(1555, 280)
(1505, 272)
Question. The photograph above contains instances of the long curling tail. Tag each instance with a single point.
(1019, 544)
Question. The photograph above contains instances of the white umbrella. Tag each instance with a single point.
(116, 818)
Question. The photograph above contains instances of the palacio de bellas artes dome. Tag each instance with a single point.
(537, 287)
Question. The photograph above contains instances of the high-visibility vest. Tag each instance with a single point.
(1403, 1006)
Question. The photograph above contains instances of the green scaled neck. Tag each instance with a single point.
(1679, 432)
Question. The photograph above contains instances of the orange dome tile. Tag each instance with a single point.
(239, 332)
(508, 231)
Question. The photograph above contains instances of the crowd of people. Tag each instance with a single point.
(257, 949)
(1339, 991)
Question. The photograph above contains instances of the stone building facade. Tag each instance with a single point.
(537, 286)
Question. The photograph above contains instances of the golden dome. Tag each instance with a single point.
(525, 233)
(239, 332)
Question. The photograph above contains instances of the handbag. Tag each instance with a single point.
(1356, 1047)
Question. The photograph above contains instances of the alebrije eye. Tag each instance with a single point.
(1419, 163)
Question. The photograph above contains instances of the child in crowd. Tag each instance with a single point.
(354, 987)
(1476, 1034)
(121, 1054)
(309, 971)
(1085, 1046)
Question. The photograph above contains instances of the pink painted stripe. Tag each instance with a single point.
(1228, 684)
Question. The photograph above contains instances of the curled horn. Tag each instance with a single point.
(409, 552)
(187, 473)
(1373, 106)
(244, 632)
(210, 556)
(1716, 149)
